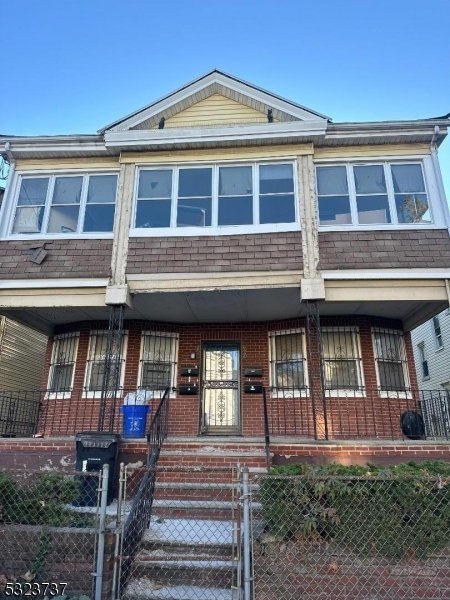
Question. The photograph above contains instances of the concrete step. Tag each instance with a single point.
(145, 588)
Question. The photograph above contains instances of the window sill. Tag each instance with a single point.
(57, 236)
(213, 231)
(380, 227)
(395, 395)
(439, 349)
(286, 395)
(427, 378)
(344, 394)
(58, 395)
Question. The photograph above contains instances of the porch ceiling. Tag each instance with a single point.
(227, 306)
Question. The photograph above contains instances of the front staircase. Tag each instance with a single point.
(191, 551)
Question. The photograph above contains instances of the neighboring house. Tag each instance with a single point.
(22, 353)
(431, 342)
(254, 248)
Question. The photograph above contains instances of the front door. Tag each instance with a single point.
(221, 388)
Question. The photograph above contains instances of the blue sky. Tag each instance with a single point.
(74, 66)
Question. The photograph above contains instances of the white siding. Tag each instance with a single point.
(22, 353)
(438, 360)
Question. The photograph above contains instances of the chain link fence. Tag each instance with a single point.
(48, 536)
(180, 533)
(368, 538)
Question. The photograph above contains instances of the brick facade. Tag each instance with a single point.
(384, 249)
(65, 258)
(191, 254)
(287, 415)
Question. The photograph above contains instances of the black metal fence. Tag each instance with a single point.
(363, 413)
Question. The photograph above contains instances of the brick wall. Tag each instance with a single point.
(384, 249)
(347, 417)
(255, 252)
(65, 258)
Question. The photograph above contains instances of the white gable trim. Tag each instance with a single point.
(215, 77)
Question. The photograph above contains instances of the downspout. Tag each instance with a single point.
(438, 175)
(8, 155)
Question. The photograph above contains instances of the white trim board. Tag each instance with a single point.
(23, 284)
(355, 274)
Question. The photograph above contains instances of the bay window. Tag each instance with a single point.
(64, 205)
(288, 362)
(390, 359)
(215, 196)
(342, 359)
(95, 365)
(372, 194)
(158, 362)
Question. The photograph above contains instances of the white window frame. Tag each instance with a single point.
(291, 393)
(436, 337)
(392, 393)
(10, 210)
(422, 360)
(173, 362)
(62, 395)
(342, 392)
(435, 202)
(215, 229)
(97, 394)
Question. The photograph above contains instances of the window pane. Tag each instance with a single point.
(195, 212)
(102, 189)
(33, 191)
(335, 210)
(391, 376)
(67, 190)
(64, 350)
(373, 209)
(28, 220)
(332, 181)
(63, 219)
(195, 182)
(277, 209)
(388, 346)
(369, 179)
(338, 344)
(99, 217)
(158, 348)
(290, 375)
(61, 378)
(288, 347)
(412, 208)
(235, 181)
(276, 179)
(153, 213)
(341, 374)
(155, 184)
(156, 376)
(407, 178)
(235, 211)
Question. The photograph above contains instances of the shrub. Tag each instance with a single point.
(393, 512)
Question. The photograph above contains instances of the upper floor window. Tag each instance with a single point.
(390, 358)
(438, 343)
(62, 365)
(215, 196)
(65, 204)
(372, 194)
(342, 359)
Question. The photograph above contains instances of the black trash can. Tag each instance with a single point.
(94, 449)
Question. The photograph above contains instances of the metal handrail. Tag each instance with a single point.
(140, 514)
(266, 429)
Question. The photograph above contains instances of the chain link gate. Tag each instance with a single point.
(179, 533)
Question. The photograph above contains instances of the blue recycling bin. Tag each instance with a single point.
(134, 420)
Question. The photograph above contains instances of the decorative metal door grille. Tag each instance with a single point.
(221, 386)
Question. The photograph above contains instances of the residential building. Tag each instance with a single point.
(230, 246)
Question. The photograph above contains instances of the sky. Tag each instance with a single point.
(73, 66)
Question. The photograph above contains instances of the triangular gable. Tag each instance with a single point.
(209, 98)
